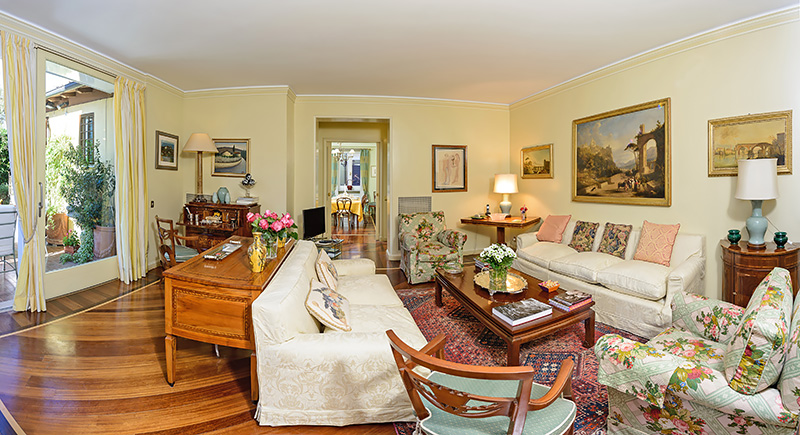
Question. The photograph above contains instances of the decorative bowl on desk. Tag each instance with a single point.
(497, 216)
(549, 286)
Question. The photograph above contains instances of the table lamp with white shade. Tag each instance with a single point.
(200, 143)
(758, 181)
(505, 184)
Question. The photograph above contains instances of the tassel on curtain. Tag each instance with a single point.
(131, 197)
(19, 76)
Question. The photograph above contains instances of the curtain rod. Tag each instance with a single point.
(78, 61)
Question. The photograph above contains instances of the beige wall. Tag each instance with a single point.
(414, 125)
(726, 75)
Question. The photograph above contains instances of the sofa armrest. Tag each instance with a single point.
(354, 266)
(408, 241)
(452, 238)
(526, 239)
(686, 277)
(709, 318)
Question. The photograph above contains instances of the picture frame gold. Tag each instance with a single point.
(752, 136)
(167, 151)
(536, 161)
(624, 156)
(232, 158)
(449, 168)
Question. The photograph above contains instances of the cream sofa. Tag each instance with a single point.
(629, 294)
(309, 374)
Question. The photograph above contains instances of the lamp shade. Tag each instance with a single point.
(758, 179)
(200, 142)
(505, 183)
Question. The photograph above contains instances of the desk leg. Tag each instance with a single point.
(501, 235)
(169, 342)
(513, 353)
(589, 326)
(253, 377)
(437, 295)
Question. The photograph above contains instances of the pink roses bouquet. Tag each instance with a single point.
(272, 226)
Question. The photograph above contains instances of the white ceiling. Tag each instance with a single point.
(473, 50)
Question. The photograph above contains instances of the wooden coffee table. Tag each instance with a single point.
(478, 302)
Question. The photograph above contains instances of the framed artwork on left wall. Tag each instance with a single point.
(166, 151)
(449, 168)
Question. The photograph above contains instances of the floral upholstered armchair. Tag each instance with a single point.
(718, 369)
(425, 244)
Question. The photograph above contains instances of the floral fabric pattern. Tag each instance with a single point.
(425, 245)
(583, 236)
(789, 382)
(711, 319)
(615, 239)
(754, 357)
(689, 347)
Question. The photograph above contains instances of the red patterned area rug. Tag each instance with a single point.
(470, 342)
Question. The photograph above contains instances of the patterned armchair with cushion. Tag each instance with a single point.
(425, 244)
(718, 369)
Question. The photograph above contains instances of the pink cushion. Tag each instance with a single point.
(655, 243)
(552, 228)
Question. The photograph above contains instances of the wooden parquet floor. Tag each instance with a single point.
(102, 370)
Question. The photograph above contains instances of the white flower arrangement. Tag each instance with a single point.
(498, 256)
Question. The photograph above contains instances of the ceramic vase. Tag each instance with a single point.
(780, 239)
(734, 236)
(257, 253)
(497, 278)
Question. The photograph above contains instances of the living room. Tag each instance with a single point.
(749, 66)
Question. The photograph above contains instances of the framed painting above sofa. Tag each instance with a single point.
(623, 156)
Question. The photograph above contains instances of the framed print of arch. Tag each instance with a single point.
(759, 136)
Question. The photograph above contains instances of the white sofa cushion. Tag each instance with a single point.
(637, 278)
(584, 265)
(542, 253)
(368, 290)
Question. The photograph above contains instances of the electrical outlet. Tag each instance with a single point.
(152, 204)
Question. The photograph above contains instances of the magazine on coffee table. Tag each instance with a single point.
(572, 297)
(222, 252)
(526, 310)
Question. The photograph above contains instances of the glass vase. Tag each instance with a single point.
(257, 253)
(497, 279)
(271, 242)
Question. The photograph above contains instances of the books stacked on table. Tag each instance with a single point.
(480, 264)
(571, 300)
(526, 310)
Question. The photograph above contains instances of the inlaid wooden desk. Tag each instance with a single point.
(509, 222)
(745, 268)
(210, 300)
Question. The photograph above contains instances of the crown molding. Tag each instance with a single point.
(767, 21)
(242, 91)
(404, 101)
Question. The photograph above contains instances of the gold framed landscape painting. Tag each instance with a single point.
(759, 136)
(537, 161)
(623, 156)
(232, 158)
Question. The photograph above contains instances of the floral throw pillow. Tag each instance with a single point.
(583, 236)
(615, 239)
(328, 306)
(755, 356)
(326, 271)
(655, 243)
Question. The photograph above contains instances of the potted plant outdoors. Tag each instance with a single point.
(89, 191)
(56, 211)
(71, 242)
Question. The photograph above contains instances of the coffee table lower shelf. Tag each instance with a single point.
(478, 302)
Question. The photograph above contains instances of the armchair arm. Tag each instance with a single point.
(526, 239)
(562, 385)
(709, 318)
(187, 238)
(408, 241)
(452, 238)
(354, 266)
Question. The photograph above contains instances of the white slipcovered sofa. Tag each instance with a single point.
(309, 374)
(629, 294)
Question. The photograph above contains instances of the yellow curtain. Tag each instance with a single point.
(131, 197)
(19, 76)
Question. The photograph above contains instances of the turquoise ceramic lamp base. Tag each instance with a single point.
(505, 204)
(756, 227)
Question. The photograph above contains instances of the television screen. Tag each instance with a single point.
(313, 222)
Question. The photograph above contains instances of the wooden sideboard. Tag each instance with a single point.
(233, 222)
(210, 300)
(744, 268)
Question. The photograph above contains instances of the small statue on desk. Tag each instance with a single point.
(248, 182)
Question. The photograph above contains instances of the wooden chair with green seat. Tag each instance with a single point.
(170, 252)
(459, 398)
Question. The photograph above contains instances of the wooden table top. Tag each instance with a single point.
(509, 222)
(481, 303)
(232, 271)
(742, 249)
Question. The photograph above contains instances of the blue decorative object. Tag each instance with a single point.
(215, 198)
(734, 236)
(223, 195)
(780, 239)
(758, 182)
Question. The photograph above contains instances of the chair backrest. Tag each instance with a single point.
(365, 200)
(456, 401)
(425, 225)
(8, 227)
(344, 203)
(166, 242)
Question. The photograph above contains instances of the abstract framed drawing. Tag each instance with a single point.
(623, 156)
(232, 158)
(166, 151)
(537, 161)
(763, 135)
(449, 168)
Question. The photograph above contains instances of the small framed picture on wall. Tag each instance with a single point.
(537, 161)
(449, 168)
(232, 158)
(166, 151)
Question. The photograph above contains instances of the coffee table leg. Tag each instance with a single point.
(589, 326)
(501, 235)
(513, 353)
(437, 295)
(169, 342)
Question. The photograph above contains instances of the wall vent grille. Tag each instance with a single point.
(413, 204)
